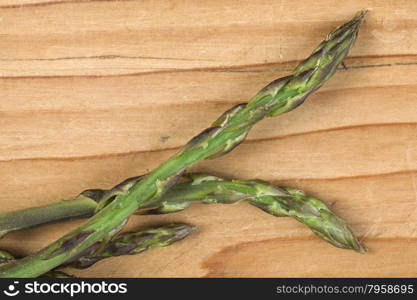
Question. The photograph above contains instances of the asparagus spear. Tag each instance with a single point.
(193, 187)
(35, 216)
(6, 257)
(277, 201)
(271, 199)
(126, 243)
(131, 243)
(278, 97)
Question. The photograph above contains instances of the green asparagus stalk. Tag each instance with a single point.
(126, 243)
(226, 133)
(129, 243)
(274, 200)
(277, 201)
(6, 257)
(82, 207)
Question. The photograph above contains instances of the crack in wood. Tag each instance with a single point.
(259, 140)
(219, 69)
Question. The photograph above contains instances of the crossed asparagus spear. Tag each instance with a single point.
(191, 188)
(167, 189)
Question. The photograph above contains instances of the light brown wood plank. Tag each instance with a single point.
(80, 110)
(111, 37)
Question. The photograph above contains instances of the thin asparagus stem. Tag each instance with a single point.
(226, 133)
(126, 243)
(35, 216)
(277, 201)
(6, 257)
(129, 243)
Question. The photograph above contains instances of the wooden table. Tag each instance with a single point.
(96, 91)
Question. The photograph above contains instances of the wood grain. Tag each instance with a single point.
(96, 91)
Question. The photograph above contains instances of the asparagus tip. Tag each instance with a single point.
(361, 248)
(182, 230)
(360, 15)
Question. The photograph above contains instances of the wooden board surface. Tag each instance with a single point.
(96, 91)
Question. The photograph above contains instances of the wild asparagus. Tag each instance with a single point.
(271, 199)
(131, 243)
(280, 96)
(126, 243)
(82, 207)
(6, 257)
(277, 201)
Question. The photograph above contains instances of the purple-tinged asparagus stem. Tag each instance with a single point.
(126, 243)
